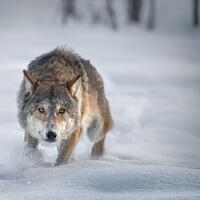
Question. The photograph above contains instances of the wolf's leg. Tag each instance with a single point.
(31, 142)
(67, 147)
(98, 148)
(31, 153)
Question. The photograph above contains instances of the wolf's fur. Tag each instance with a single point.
(62, 79)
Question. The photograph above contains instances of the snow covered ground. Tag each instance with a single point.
(152, 81)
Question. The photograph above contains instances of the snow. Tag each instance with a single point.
(152, 83)
(102, 180)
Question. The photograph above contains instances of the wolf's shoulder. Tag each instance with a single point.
(63, 64)
(55, 57)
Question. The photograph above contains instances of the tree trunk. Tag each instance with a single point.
(134, 10)
(111, 14)
(195, 12)
(152, 14)
(68, 8)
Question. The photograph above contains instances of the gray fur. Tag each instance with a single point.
(85, 102)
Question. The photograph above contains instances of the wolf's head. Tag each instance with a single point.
(52, 110)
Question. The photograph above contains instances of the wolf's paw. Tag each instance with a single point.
(32, 157)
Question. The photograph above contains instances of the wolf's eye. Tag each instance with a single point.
(41, 110)
(61, 111)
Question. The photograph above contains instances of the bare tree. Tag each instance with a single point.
(152, 14)
(134, 10)
(196, 12)
(68, 10)
(111, 14)
(102, 11)
(96, 18)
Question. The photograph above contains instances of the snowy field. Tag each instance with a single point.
(152, 81)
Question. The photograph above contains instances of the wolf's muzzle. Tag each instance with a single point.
(51, 136)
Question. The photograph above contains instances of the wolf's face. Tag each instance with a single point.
(51, 121)
(53, 111)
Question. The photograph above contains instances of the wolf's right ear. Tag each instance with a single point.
(31, 82)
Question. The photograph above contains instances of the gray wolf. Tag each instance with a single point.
(61, 98)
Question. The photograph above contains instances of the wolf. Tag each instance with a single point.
(60, 99)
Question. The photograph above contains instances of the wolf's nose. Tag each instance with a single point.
(51, 136)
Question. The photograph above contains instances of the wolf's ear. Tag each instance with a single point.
(74, 86)
(31, 82)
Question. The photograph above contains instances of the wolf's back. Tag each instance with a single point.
(63, 65)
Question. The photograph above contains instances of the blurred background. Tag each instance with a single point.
(147, 51)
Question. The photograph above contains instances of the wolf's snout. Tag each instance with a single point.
(51, 136)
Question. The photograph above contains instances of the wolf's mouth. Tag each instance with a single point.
(50, 140)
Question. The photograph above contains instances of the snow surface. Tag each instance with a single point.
(152, 82)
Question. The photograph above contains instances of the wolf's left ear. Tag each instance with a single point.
(30, 81)
(74, 86)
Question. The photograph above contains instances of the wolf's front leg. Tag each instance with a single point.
(30, 141)
(67, 147)
(31, 154)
